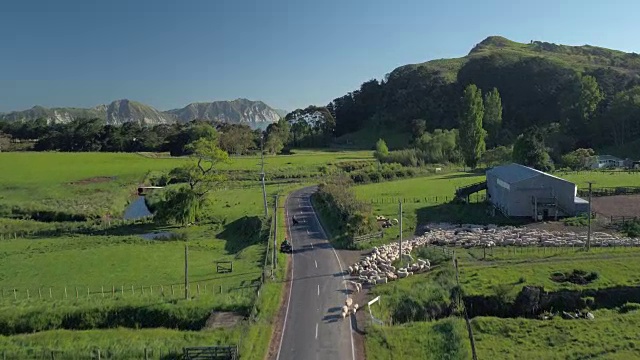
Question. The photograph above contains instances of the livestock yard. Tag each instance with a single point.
(77, 279)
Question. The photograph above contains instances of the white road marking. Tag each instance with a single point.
(307, 231)
(353, 350)
(316, 265)
(316, 330)
(286, 313)
(312, 245)
(318, 289)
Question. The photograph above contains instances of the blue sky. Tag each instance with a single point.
(287, 53)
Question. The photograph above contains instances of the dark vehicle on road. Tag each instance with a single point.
(285, 247)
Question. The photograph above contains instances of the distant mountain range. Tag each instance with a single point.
(256, 114)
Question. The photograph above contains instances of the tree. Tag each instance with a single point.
(577, 159)
(274, 144)
(180, 205)
(497, 156)
(184, 205)
(471, 133)
(529, 150)
(418, 127)
(623, 114)
(579, 106)
(492, 119)
(236, 139)
(5, 141)
(381, 149)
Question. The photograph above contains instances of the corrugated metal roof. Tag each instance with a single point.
(514, 173)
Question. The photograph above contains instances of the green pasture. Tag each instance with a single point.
(611, 335)
(113, 343)
(53, 181)
(615, 267)
(442, 339)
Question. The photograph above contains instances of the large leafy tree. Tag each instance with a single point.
(492, 119)
(529, 150)
(623, 116)
(184, 205)
(577, 159)
(579, 106)
(471, 133)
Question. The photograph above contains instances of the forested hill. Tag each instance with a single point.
(540, 84)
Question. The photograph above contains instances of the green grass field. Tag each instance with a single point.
(614, 266)
(60, 181)
(609, 336)
(115, 258)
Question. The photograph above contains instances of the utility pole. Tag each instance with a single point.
(275, 232)
(186, 271)
(589, 220)
(400, 210)
(264, 189)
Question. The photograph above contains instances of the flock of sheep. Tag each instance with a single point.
(377, 267)
(491, 235)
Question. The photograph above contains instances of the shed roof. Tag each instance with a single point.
(513, 173)
(608, 157)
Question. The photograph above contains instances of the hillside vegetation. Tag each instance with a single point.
(541, 84)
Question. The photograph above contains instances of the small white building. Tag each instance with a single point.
(605, 162)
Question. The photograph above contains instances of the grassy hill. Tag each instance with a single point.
(537, 82)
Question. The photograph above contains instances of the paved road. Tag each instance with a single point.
(313, 327)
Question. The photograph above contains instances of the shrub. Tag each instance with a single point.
(351, 216)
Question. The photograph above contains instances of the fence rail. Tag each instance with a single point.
(122, 291)
(619, 220)
(610, 191)
(367, 237)
(475, 198)
(146, 353)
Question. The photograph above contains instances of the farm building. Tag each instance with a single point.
(605, 161)
(520, 191)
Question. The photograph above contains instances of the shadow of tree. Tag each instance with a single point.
(242, 233)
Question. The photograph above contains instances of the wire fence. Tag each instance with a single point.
(474, 198)
(196, 289)
(147, 353)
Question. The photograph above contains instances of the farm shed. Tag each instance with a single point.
(521, 191)
(605, 161)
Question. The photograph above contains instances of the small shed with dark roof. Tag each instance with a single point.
(520, 191)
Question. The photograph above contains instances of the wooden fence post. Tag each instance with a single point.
(102, 287)
(99, 355)
(172, 290)
(198, 287)
(151, 289)
(113, 291)
(146, 354)
(39, 293)
(27, 293)
(50, 293)
(132, 290)
(162, 290)
(65, 292)
(76, 292)
(87, 291)
(122, 290)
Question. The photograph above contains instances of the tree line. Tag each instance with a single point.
(82, 135)
(534, 99)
